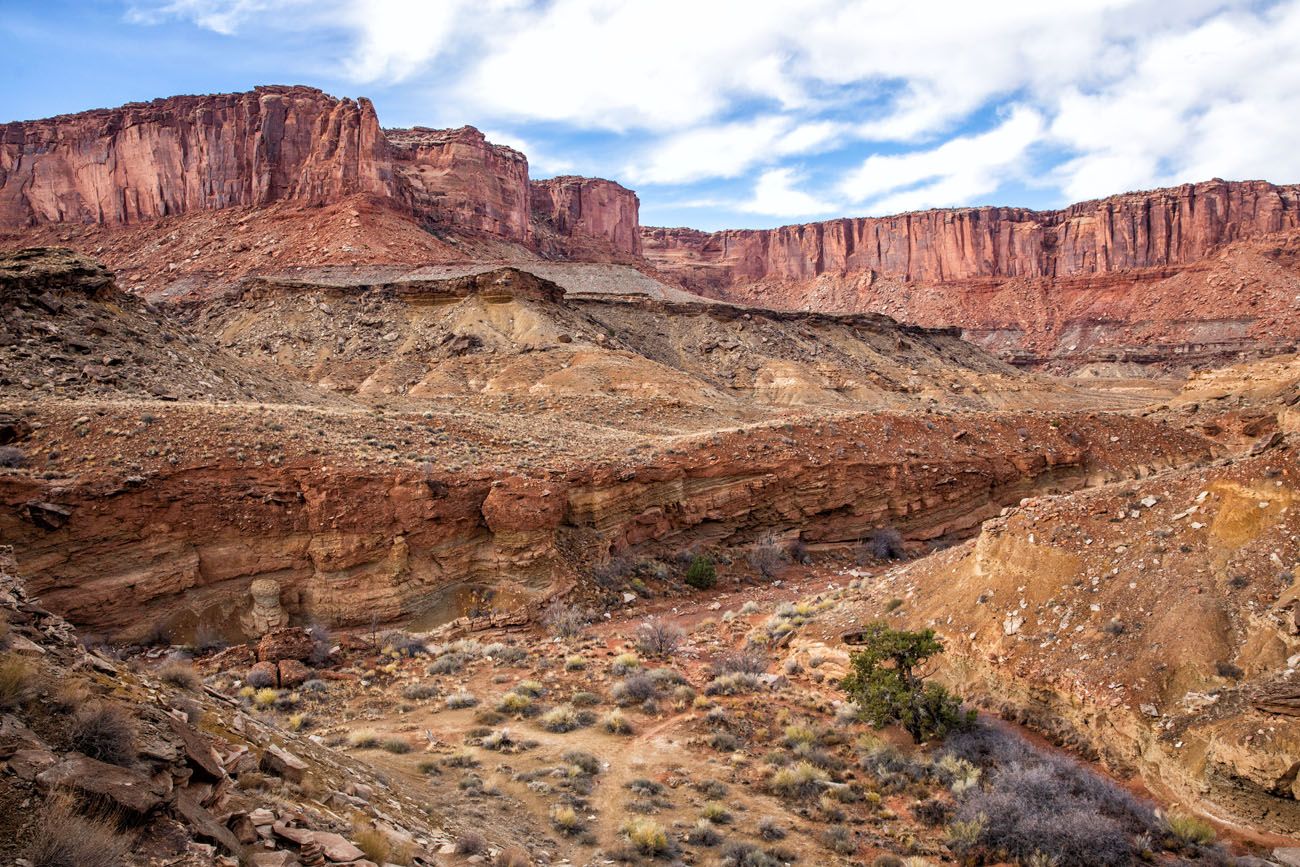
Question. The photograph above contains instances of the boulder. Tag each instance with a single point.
(289, 643)
(284, 764)
(293, 673)
(126, 788)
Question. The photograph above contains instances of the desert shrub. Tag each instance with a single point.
(748, 660)
(884, 684)
(647, 836)
(450, 663)
(530, 688)
(1228, 670)
(64, 838)
(264, 698)
(839, 840)
(766, 558)
(11, 457)
(1188, 830)
(616, 724)
(260, 679)
(458, 700)
(106, 732)
(724, 742)
(419, 691)
(321, 642)
(582, 698)
(564, 620)
(208, 639)
(932, 812)
(716, 813)
(180, 674)
(801, 782)
(888, 860)
(885, 543)
(506, 654)
(565, 819)
(1037, 803)
(701, 574)
(513, 856)
(739, 854)
(460, 759)
(561, 718)
(770, 828)
(471, 843)
(397, 746)
(732, 684)
(401, 643)
(658, 638)
(16, 680)
(585, 762)
(514, 703)
(623, 663)
(703, 834)
(374, 843)
(363, 739)
(634, 689)
(574, 663)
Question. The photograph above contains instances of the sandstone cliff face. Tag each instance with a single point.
(459, 179)
(573, 214)
(188, 153)
(1141, 230)
(296, 145)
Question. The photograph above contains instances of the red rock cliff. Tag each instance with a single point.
(1138, 230)
(571, 212)
(187, 153)
(458, 177)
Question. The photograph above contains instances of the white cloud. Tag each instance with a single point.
(776, 195)
(728, 150)
(952, 173)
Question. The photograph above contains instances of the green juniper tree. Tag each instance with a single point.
(887, 687)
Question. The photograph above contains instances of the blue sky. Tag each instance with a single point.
(738, 113)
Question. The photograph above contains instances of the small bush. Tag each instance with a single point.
(530, 688)
(1228, 670)
(559, 719)
(716, 813)
(11, 457)
(748, 660)
(450, 663)
(374, 843)
(63, 838)
(363, 739)
(260, 679)
(582, 698)
(458, 700)
(703, 834)
(738, 854)
(634, 689)
(647, 836)
(839, 840)
(1189, 830)
(701, 574)
(15, 681)
(566, 820)
(885, 543)
(513, 856)
(616, 724)
(471, 843)
(623, 663)
(733, 684)
(658, 638)
(264, 698)
(585, 762)
(400, 643)
(802, 782)
(574, 663)
(770, 829)
(766, 559)
(724, 742)
(419, 691)
(514, 703)
(397, 746)
(105, 732)
(565, 621)
(181, 675)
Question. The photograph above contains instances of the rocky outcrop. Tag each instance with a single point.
(1175, 226)
(458, 179)
(576, 216)
(1178, 277)
(186, 153)
(296, 145)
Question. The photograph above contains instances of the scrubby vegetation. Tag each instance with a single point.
(701, 574)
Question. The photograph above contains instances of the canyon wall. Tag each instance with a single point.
(1139, 230)
(186, 153)
(457, 177)
(297, 145)
(572, 211)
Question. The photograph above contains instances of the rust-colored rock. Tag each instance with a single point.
(288, 643)
(293, 673)
(575, 217)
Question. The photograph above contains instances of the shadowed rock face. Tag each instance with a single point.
(297, 145)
